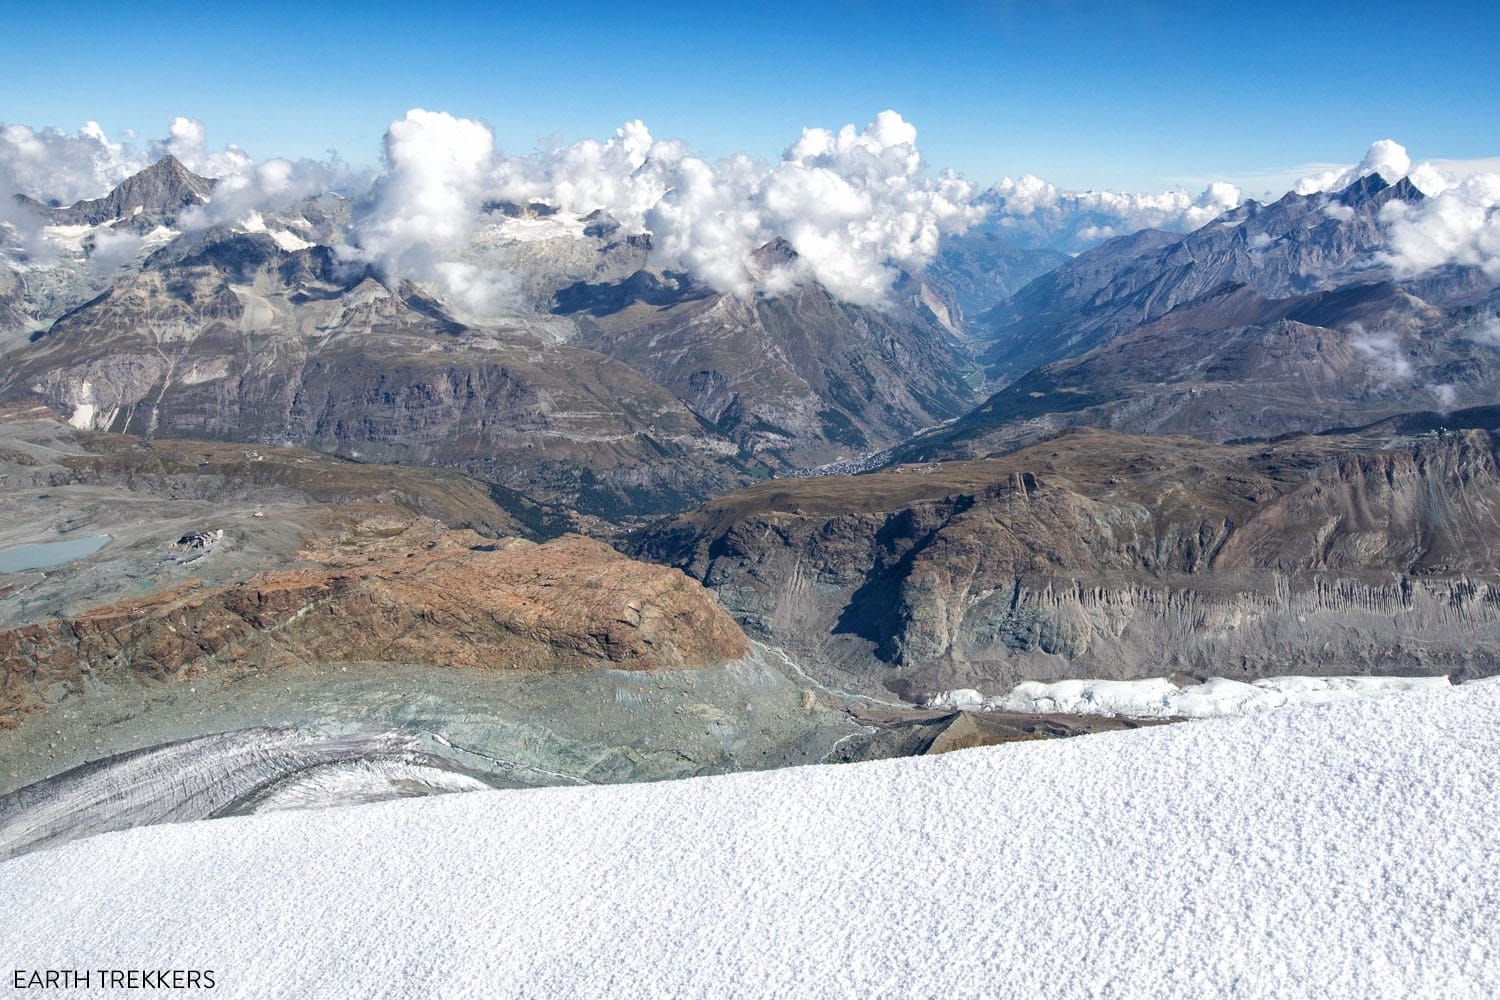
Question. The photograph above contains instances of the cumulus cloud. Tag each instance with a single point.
(425, 207)
(1037, 211)
(274, 185)
(856, 205)
(187, 139)
(1460, 225)
(51, 164)
(625, 176)
(1385, 157)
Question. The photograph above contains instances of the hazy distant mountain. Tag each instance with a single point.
(982, 268)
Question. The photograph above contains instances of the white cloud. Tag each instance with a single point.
(1385, 157)
(113, 248)
(1460, 225)
(856, 204)
(1486, 330)
(187, 140)
(708, 222)
(625, 175)
(425, 207)
(1031, 207)
(52, 164)
(1383, 351)
(273, 185)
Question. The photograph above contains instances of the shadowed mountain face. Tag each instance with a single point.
(1235, 365)
(797, 379)
(1273, 319)
(1103, 555)
(1299, 244)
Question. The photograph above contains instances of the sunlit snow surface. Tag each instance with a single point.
(1340, 850)
(1160, 698)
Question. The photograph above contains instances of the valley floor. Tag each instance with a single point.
(1328, 850)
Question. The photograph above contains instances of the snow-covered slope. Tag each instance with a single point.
(1333, 850)
(1160, 698)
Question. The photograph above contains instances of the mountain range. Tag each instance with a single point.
(611, 385)
(1230, 442)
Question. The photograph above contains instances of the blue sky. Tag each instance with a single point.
(1127, 94)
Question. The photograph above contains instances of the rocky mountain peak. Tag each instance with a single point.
(153, 197)
(1374, 191)
(776, 252)
(163, 185)
(774, 256)
(600, 225)
(1363, 190)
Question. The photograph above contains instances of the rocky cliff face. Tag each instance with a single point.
(1102, 555)
(386, 592)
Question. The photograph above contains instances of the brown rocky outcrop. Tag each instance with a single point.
(1098, 554)
(389, 593)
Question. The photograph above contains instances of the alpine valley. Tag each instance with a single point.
(580, 495)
